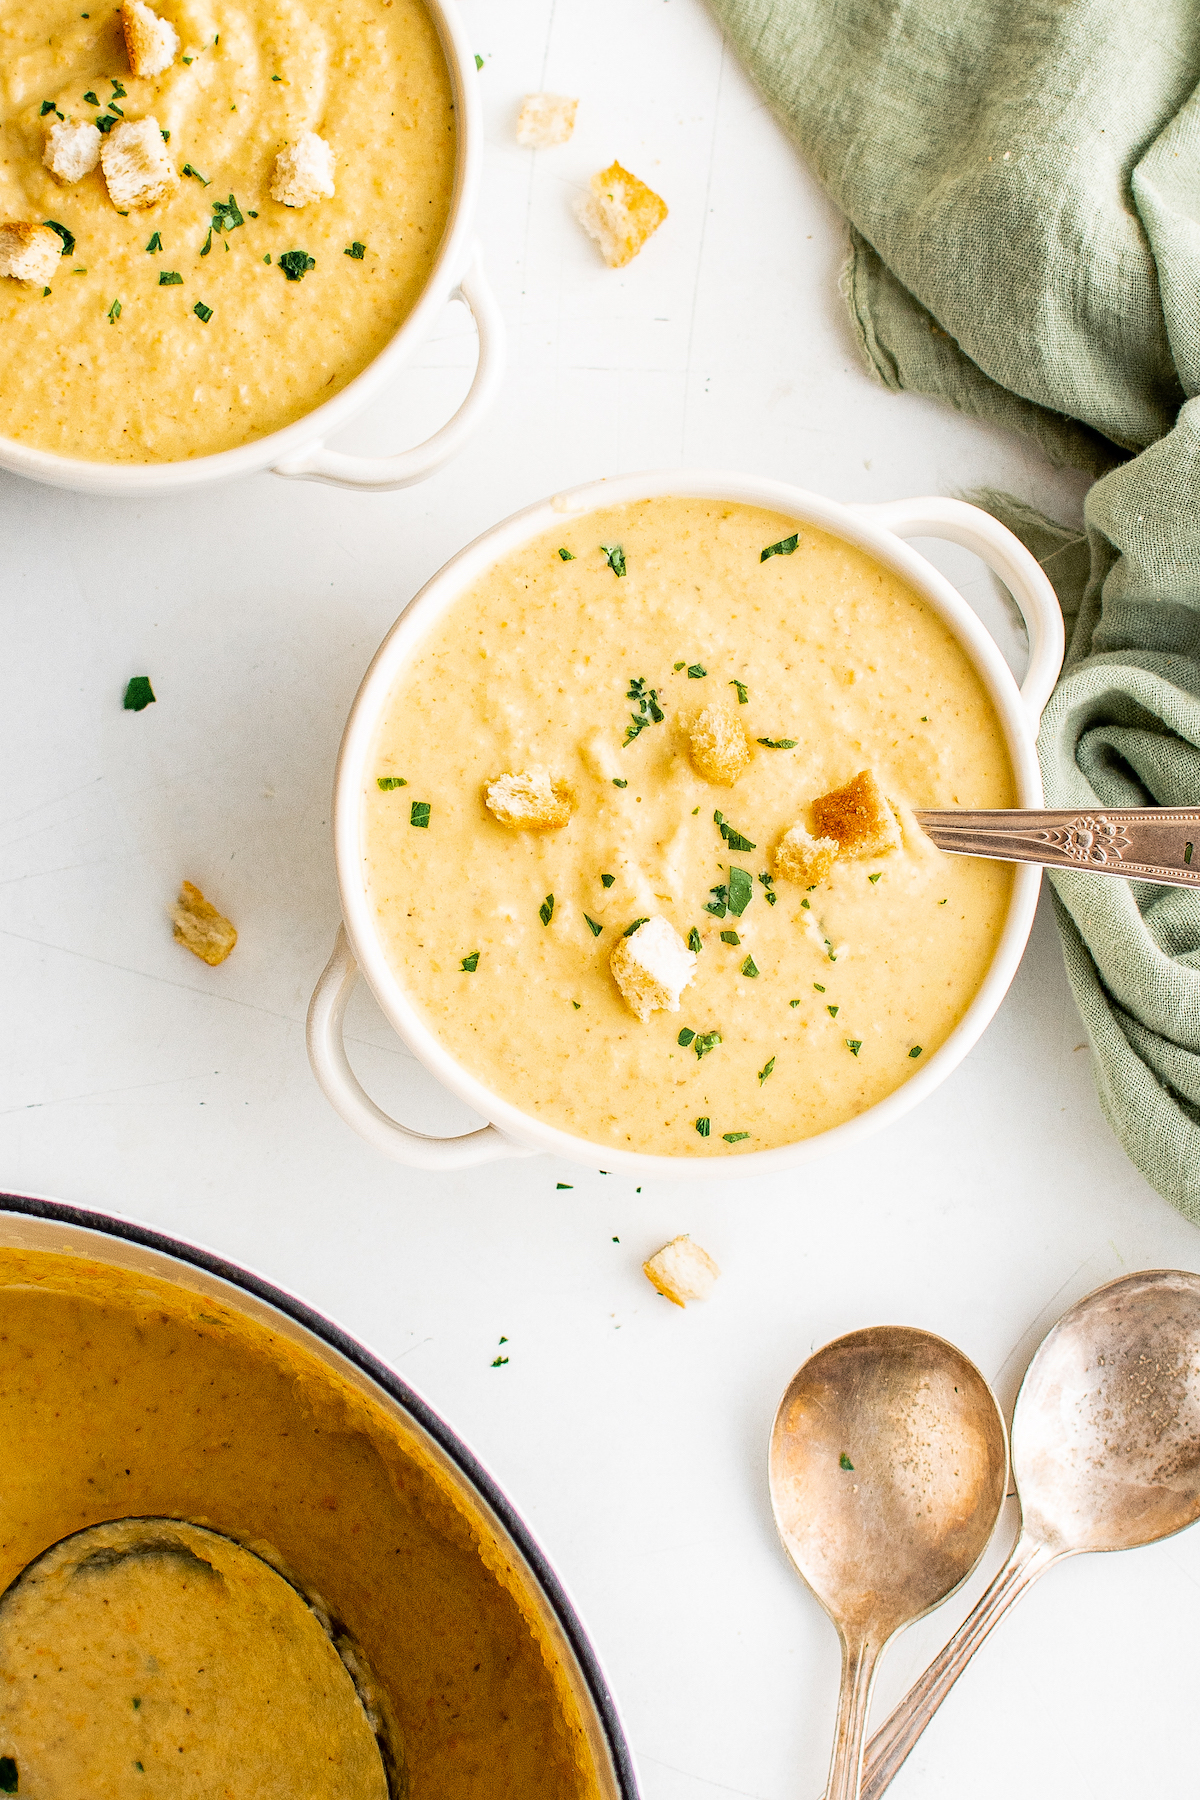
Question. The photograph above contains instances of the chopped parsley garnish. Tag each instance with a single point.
(170, 278)
(703, 1126)
(592, 926)
(874, 878)
(139, 694)
(707, 1040)
(296, 264)
(730, 937)
(567, 555)
(277, 78)
(470, 963)
(765, 1071)
(48, 106)
(617, 782)
(165, 135)
(64, 234)
(743, 692)
(779, 743)
(114, 312)
(630, 929)
(693, 941)
(196, 175)
(649, 711)
(685, 1037)
(796, 1002)
(118, 92)
(806, 903)
(227, 215)
(202, 312)
(750, 967)
(8, 1775)
(675, 668)
(564, 1184)
(924, 718)
(207, 243)
(155, 244)
(941, 902)
(741, 891)
(478, 60)
(734, 1137)
(615, 557)
(113, 107)
(355, 251)
(418, 814)
(608, 880)
(267, 257)
(718, 906)
(105, 122)
(499, 1362)
(251, 215)
(845, 1463)
(916, 1050)
(546, 909)
(831, 1010)
(187, 61)
(91, 98)
(696, 671)
(733, 838)
(388, 782)
(820, 987)
(784, 547)
(768, 882)
(854, 1045)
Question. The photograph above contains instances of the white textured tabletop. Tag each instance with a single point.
(135, 1079)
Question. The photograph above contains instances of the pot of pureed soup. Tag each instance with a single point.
(224, 227)
(623, 821)
(172, 1422)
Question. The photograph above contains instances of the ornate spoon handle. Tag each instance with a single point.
(1142, 843)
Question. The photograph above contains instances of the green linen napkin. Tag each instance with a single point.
(1022, 180)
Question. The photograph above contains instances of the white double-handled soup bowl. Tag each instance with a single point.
(298, 450)
(879, 532)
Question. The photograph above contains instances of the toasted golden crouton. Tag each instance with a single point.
(530, 801)
(137, 169)
(151, 43)
(801, 857)
(621, 212)
(72, 151)
(652, 966)
(859, 817)
(719, 748)
(682, 1271)
(200, 928)
(303, 172)
(29, 252)
(545, 120)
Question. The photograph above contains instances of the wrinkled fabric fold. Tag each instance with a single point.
(1022, 181)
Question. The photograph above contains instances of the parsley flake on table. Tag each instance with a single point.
(694, 943)
(296, 264)
(741, 891)
(696, 671)
(418, 814)
(685, 1037)
(649, 709)
(567, 555)
(854, 1045)
(155, 244)
(703, 1126)
(170, 278)
(615, 557)
(608, 880)
(499, 1362)
(564, 1184)
(592, 926)
(478, 60)
(470, 963)
(64, 234)
(845, 1463)
(355, 251)
(784, 547)
(734, 1137)
(916, 1050)
(750, 967)
(743, 692)
(139, 694)
(706, 1041)
(630, 929)
(202, 312)
(546, 909)
(730, 937)
(388, 782)
(779, 743)
(765, 1071)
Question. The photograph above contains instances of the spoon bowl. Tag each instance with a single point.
(888, 1467)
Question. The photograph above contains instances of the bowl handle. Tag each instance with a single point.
(1007, 557)
(340, 1085)
(316, 463)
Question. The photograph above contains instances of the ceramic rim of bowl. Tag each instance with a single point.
(165, 1256)
(423, 613)
(123, 479)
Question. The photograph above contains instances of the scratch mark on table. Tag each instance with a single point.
(712, 163)
(704, 1780)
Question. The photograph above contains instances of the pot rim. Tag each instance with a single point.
(125, 479)
(434, 599)
(474, 1472)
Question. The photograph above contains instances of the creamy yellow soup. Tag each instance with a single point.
(824, 1001)
(111, 365)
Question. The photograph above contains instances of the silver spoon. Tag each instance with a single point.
(888, 1466)
(1106, 1456)
(1142, 843)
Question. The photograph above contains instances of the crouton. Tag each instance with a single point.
(621, 212)
(652, 966)
(545, 120)
(151, 43)
(200, 928)
(801, 857)
(530, 801)
(303, 172)
(719, 748)
(29, 252)
(136, 166)
(72, 151)
(859, 817)
(682, 1271)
